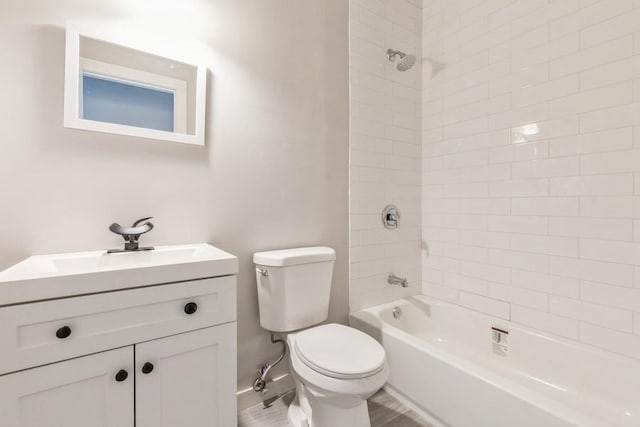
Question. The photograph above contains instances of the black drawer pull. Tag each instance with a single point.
(147, 368)
(122, 375)
(63, 332)
(190, 307)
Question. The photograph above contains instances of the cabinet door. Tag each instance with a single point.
(81, 392)
(190, 379)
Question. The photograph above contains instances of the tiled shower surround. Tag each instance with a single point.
(531, 164)
(385, 149)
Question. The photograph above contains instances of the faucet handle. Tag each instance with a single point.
(136, 230)
(141, 220)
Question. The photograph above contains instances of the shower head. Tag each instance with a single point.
(406, 61)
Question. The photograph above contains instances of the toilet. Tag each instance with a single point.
(335, 368)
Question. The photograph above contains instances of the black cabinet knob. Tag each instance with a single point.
(147, 368)
(63, 332)
(122, 375)
(190, 307)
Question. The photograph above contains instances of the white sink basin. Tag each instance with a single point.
(59, 275)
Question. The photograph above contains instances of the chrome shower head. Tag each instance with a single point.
(406, 60)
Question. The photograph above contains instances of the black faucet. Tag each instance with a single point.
(131, 235)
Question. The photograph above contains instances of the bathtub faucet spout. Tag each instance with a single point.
(392, 279)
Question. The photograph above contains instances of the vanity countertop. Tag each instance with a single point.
(43, 277)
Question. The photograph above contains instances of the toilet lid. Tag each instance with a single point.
(339, 351)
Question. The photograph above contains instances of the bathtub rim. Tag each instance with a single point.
(564, 410)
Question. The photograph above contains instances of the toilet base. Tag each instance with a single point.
(338, 411)
(330, 414)
(296, 416)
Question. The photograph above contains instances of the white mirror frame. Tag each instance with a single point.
(72, 118)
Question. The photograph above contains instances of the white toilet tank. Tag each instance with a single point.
(294, 286)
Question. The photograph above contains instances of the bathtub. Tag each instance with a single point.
(444, 361)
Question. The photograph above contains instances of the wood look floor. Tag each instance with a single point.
(384, 410)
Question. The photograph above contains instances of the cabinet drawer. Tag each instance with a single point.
(39, 333)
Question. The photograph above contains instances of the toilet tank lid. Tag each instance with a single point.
(295, 256)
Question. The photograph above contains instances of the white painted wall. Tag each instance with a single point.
(385, 149)
(273, 173)
(531, 164)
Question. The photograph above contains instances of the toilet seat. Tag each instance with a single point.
(340, 352)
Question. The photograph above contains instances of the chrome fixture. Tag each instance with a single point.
(391, 217)
(499, 341)
(262, 271)
(260, 383)
(131, 235)
(406, 60)
(397, 312)
(392, 279)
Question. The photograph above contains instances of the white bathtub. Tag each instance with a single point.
(442, 361)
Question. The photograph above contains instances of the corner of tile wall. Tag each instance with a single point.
(385, 147)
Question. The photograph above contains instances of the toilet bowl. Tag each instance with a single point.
(336, 369)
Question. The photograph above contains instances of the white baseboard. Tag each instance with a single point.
(415, 408)
(275, 387)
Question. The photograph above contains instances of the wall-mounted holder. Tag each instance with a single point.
(391, 217)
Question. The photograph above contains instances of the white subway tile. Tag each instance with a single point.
(466, 253)
(556, 206)
(595, 228)
(553, 89)
(497, 172)
(547, 283)
(612, 251)
(549, 245)
(621, 25)
(610, 207)
(485, 305)
(546, 322)
(568, 125)
(608, 140)
(550, 51)
(605, 272)
(600, 315)
(513, 11)
(594, 185)
(485, 239)
(588, 58)
(538, 17)
(595, 99)
(518, 296)
(609, 73)
(518, 224)
(560, 166)
(589, 16)
(610, 162)
(518, 43)
(519, 188)
(488, 272)
(441, 292)
(519, 115)
(520, 152)
(520, 260)
(485, 206)
(610, 118)
(605, 338)
(465, 283)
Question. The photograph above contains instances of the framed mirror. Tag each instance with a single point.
(120, 89)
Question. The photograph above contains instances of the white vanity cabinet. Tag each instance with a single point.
(82, 392)
(159, 355)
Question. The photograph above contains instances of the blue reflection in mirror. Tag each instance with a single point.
(125, 103)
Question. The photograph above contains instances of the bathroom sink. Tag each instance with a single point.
(61, 275)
